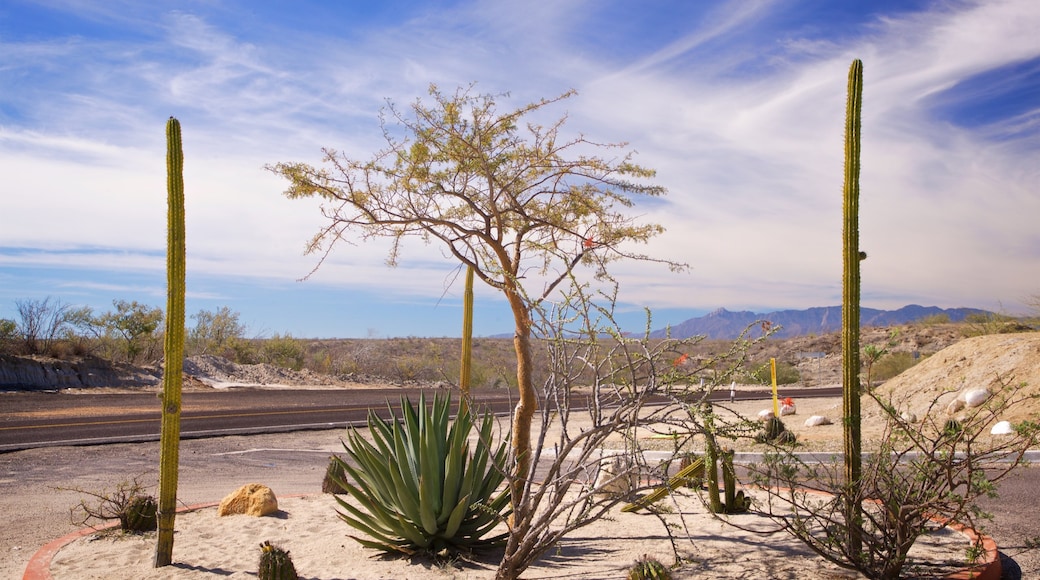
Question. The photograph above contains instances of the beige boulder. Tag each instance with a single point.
(252, 499)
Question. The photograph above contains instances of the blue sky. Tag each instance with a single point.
(738, 105)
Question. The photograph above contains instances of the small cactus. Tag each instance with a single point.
(139, 515)
(649, 568)
(334, 477)
(775, 431)
(736, 502)
(952, 428)
(275, 563)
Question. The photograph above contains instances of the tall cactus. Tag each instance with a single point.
(467, 340)
(174, 346)
(850, 309)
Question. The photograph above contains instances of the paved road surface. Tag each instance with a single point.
(34, 419)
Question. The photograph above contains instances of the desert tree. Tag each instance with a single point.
(134, 322)
(41, 323)
(523, 204)
(215, 331)
(8, 332)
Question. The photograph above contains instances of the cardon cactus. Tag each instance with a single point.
(736, 502)
(173, 359)
(850, 298)
(139, 515)
(648, 568)
(275, 563)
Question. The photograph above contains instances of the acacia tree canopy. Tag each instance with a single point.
(509, 198)
(522, 203)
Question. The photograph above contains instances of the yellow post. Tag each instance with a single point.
(776, 402)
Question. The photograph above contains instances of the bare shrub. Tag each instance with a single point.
(922, 476)
(129, 502)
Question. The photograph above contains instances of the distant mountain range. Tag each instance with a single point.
(723, 324)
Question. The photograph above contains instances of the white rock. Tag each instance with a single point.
(817, 420)
(617, 476)
(908, 417)
(786, 410)
(954, 406)
(1002, 428)
(765, 414)
(975, 397)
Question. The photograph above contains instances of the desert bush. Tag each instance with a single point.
(761, 374)
(8, 335)
(214, 331)
(42, 323)
(242, 351)
(991, 323)
(283, 351)
(922, 476)
(933, 319)
(626, 385)
(129, 502)
(135, 324)
(892, 364)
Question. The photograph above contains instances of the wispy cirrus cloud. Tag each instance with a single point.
(739, 106)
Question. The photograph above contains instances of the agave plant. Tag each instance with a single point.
(420, 487)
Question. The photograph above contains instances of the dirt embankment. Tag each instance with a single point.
(996, 362)
(32, 373)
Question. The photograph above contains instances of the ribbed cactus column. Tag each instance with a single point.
(174, 346)
(467, 340)
(850, 310)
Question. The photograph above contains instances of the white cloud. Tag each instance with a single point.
(753, 161)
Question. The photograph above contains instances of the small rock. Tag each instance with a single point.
(787, 410)
(616, 476)
(1002, 428)
(252, 499)
(954, 406)
(908, 417)
(975, 397)
(765, 414)
(817, 420)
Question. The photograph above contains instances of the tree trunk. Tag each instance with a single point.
(527, 404)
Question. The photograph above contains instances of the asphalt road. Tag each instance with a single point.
(30, 420)
(44, 419)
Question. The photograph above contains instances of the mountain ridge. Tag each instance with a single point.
(726, 324)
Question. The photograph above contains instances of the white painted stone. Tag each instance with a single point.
(1002, 428)
(616, 477)
(954, 406)
(817, 420)
(975, 397)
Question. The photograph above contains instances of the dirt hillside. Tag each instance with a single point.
(995, 362)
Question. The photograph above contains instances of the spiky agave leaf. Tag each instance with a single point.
(417, 486)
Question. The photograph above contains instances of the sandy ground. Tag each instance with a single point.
(294, 464)
(207, 545)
